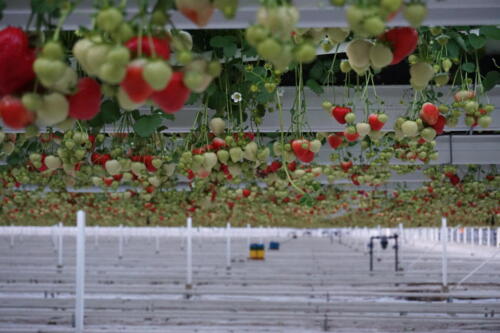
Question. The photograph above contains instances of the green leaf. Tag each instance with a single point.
(221, 41)
(110, 111)
(490, 31)
(168, 116)
(491, 80)
(476, 41)
(314, 86)
(452, 49)
(230, 50)
(147, 125)
(469, 67)
(2, 7)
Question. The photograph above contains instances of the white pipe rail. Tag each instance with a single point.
(80, 272)
(444, 241)
(60, 246)
(120, 242)
(228, 246)
(189, 259)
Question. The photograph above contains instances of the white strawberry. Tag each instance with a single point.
(52, 162)
(217, 126)
(363, 129)
(409, 128)
(250, 151)
(380, 56)
(210, 160)
(223, 156)
(113, 167)
(236, 154)
(358, 53)
(315, 146)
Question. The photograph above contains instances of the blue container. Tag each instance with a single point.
(274, 246)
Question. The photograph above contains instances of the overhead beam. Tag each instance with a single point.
(314, 13)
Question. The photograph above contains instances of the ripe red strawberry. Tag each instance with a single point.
(354, 179)
(275, 166)
(292, 166)
(454, 179)
(108, 181)
(148, 161)
(351, 137)
(149, 46)
(439, 125)
(137, 89)
(307, 157)
(403, 41)
(172, 98)
(198, 11)
(429, 113)
(375, 123)
(346, 165)
(86, 102)
(335, 140)
(14, 114)
(300, 147)
(218, 143)
(246, 192)
(16, 61)
(339, 113)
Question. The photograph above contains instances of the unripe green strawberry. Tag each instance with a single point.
(263, 155)
(373, 26)
(428, 134)
(34, 157)
(358, 52)
(255, 34)
(125, 102)
(2, 136)
(327, 106)
(112, 74)
(155, 181)
(123, 33)
(337, 35)
(345, 67)
(380, 56)
(446, 63)
(305, 53)
(210, 160)
(157, 74)
(32, 101)
(67, 82)
(53, 51)
(119, 56)
(469, 121)
(181, 41)
(250, 151)
(80, 50)
(391, 5)
(95, 57)
(138, 168)
(269, 48)
(54, 109)
(485, 121)
(350, 117)
(49, 71)
(441, 79)
(157, 163)
(415, 14)
(109, 19)
(214, 68)
(223, 156)
(184, 57)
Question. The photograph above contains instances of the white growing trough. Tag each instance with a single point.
(316, 282)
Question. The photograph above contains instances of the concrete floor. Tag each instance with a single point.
(312, 284)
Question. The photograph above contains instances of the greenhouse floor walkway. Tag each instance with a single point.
(312, 284)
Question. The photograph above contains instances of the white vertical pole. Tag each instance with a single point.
(261, 231)
(80, 271)
(401, 234)
(120, 242)
(480, 236)
(11, 236)
(157, 241)
(249, 231)
(488, 236)
(189, 277)
(54, 237)
(498, 237)
(444, 241)
(96, 236)
(228, 246)
(60, 246)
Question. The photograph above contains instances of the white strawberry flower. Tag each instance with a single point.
(236, 97)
